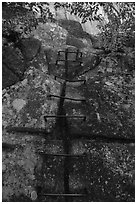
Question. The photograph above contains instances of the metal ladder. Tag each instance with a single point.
(62, 127)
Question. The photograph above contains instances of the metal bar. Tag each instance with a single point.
(73, 99)
(66, 63)
(81, 52)
(64, 194)
(70, 52)
(61, 60)
(80, 62)
(58, 53)
(77, 54)
(62, 155)
(65, 116)
(66, 140)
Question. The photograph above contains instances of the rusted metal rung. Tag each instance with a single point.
(65, 116)
(73, 99)
(68, 80)
(77, 54)
(59, 60)
(70, 52)
(65, 194)
(80, 62)
(61, 155)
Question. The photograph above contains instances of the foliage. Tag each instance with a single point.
(85, 10)
(22, 16)
(118, 32)
(117, 21)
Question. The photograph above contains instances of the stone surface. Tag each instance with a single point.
(76, 36)
(29, 48)
(8, 77)
(25, 104)
(51, 35)
(15, 60)
(74, 28)
(28, 100)
(13, 65)
(18, 104)
(107, 172)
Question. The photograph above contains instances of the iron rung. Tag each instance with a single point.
(65, 116)
(61, 60)
(79, 63)
(70, 52)
(73, 99)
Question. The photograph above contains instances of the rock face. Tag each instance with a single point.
(74, 28)
(51, 35)
(76, 36)
(8, 77)
(26, 95)
(15, 60)
(29, 48)
(25, 104)
(107, 173)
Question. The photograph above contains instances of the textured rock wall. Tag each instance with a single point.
(107, 172)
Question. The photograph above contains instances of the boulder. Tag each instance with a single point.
(26, 173)
(74, 28)
(13, 66)
(51, 35)
(29, 48)
(8, 77)
(109, 172)
(16, 59)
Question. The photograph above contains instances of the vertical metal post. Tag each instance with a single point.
(66, 141)
(61, 128)
(77, 54)
(66, 63)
